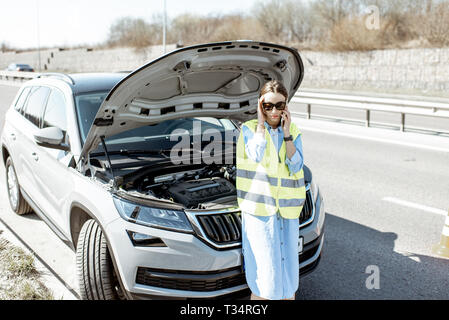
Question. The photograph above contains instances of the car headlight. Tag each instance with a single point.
(153, 217)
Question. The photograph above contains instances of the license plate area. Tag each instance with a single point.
(300, 245)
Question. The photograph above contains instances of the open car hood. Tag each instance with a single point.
(220, 80)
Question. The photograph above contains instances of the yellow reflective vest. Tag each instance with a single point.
(265, 187)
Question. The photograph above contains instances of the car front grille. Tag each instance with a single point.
(191, 280)
(222, 228)
(225, 228)
(307, 209)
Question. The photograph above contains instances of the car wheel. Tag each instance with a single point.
(16, 200)
(96, 274)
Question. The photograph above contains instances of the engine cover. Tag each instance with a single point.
(191, 193)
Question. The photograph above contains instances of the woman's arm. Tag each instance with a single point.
(291, 149)
(255, 144)
(294, 158)
(296, 162)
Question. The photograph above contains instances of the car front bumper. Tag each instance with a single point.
(187, 268)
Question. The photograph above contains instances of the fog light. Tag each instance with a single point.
(145, 240)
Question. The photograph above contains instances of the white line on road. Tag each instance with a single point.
(415, 205)
(383, 140)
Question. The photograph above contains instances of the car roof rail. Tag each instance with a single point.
(61, 76)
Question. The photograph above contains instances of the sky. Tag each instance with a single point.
(52, 23)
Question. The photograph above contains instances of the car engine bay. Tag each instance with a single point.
(209, 187)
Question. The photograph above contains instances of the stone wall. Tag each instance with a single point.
(86, 59)
(408, 69)
(404, 69)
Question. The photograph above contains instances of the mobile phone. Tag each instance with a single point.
(282, 119)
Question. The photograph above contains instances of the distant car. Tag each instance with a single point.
(20, 67)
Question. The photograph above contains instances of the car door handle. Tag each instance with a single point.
(35, 156)
(13, 136)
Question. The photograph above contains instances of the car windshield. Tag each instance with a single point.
(87, 105)
(156, 136)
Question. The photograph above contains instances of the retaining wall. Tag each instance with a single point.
(402, 69)
(422, 69)
(86, 59)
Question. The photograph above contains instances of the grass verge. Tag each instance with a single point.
(19, 278)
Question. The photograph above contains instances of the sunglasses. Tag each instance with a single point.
(268, 106)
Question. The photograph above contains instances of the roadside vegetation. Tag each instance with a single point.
(19, 279)
(324, 25)
(320, 25)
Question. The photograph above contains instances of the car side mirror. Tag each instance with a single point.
(51, 137)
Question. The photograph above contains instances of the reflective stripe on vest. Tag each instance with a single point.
(254, 197)
(289, 183)
(242, 173)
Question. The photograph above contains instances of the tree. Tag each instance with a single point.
(135, 32)
(298, 20)
(191, 28)
(272, 17)
(434, 25)
(4, 47)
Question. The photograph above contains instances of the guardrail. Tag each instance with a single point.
(17, 76)
(402, 106)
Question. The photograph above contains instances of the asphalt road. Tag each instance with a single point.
(385, 207)
(356, 176)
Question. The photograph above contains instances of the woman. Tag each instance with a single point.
(271, 193)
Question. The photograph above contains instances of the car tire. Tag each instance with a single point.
(16, 201)
(96, 274)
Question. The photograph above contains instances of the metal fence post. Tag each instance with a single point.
(402, 122)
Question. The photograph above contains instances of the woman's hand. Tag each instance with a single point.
(287, 122)
(261, 117)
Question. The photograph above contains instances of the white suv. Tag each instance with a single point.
(96, 156)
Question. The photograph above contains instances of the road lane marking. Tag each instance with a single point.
(416, 206)
(383, 140)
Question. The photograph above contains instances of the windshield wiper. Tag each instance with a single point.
(125, 152)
